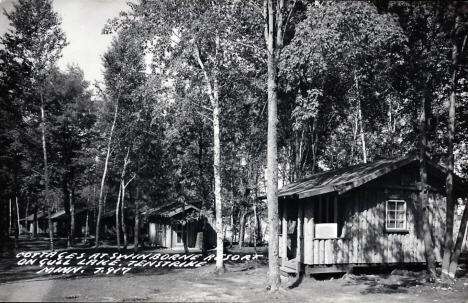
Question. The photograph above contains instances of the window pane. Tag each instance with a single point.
(396, 214)
(401, 216)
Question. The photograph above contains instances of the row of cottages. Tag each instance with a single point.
(59, 223)
(166, 228)
(364, 215)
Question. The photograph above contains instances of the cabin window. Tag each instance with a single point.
(326, 209)
(326, 214)
(395, 215)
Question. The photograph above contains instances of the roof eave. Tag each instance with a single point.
(345, 187)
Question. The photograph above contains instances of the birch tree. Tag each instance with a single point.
(192, 48)
(35, 43)
(450, 198)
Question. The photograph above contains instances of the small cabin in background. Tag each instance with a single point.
(108, 224)
(59, 220)
(40, 226)
(166, 228)
(363, 215)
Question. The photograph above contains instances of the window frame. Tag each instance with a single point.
(387, 219)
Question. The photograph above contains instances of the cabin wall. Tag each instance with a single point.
(158, 229)
(162, 233)
(363, 238)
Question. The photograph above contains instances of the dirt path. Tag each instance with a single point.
(27, 291)
(244, 281)
(238, 284)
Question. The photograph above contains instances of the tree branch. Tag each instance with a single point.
(289, 16)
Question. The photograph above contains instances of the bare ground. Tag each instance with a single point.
(243, 282)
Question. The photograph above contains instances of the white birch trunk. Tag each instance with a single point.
(46, 176)
(212, 91)
(101, 193)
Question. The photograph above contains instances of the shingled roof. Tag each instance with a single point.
(344, 179)
(40, 214)
(170, 210)
(61, 215)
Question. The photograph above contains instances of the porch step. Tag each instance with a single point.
(292, 264)
(286, 271)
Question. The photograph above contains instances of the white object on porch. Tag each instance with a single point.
(326, 230)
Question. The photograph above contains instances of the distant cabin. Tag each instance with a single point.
(40, 226)
(59, 221)
(363, 215)
(166, 228)
(108, 224)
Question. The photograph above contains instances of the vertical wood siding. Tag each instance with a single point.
(364, 239)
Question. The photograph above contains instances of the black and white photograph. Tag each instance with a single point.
(233, 151)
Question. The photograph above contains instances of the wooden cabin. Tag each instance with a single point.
(166, 228)
(40, 226)
(363, 215)
(108, 225)
(59, 220)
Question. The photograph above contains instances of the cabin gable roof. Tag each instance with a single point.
(170, 210)
(62, 215)
(345, 179)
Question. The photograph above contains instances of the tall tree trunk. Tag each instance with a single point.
(46, 176)
(255, 227)
(214, 99)
(202, 192)
(363, 138)
(137, 209)
(120, 202)
(123, 215)
(26, 222)
(241, 229)
(34, 233)
(314, 135)
(217, 176)
(87, 226)
(18, 216)
(66, 204)
(424, 193)
(9, 222)
(101, 193)
(274, 42)
(117, 218)
(15, 225)
(137, 227)
(259, 229)
(94, 205)
(185, 234)
(458, 244)
(72, 217)
(232, 224)
(205, 237)
(450, 158)
(124, 225)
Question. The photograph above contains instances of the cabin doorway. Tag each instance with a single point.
(179, 230)
(292, 230)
